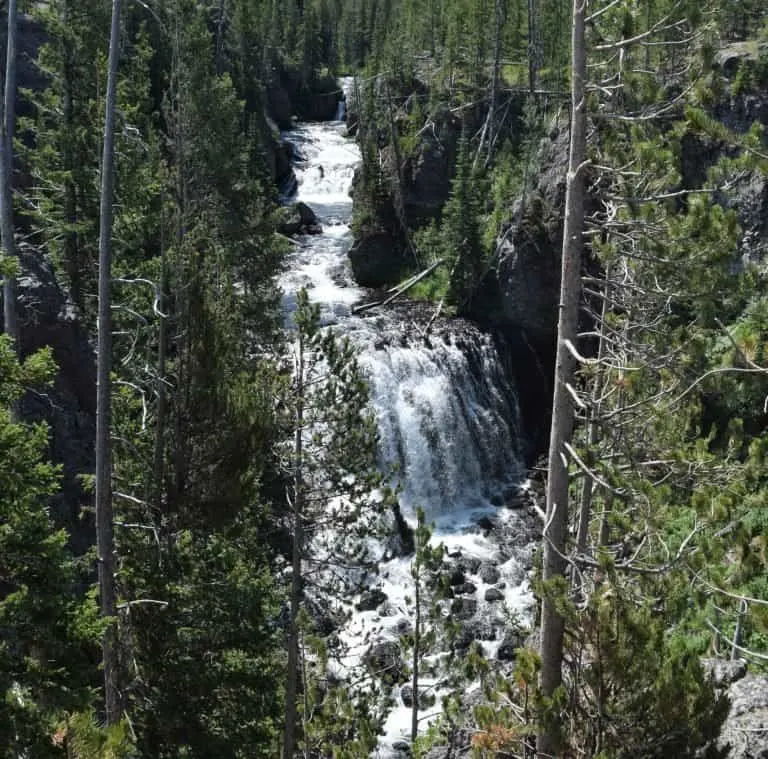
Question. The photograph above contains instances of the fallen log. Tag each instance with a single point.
(401, 289)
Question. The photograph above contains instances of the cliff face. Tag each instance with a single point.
(48, 318)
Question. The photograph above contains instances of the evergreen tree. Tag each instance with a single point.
(461, 233)
(331, 464)
(47, 637)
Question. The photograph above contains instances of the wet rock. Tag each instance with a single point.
(456, 577)
(513, 639)
(486, 524)
(402, 749)
(425, 699)
(493, 594)
(489, 573)
(470, 564)
(371, 599)
(466, 588)
(298, 218)
(474, 630)
(385, 660)
(463, 607)
(402, 627)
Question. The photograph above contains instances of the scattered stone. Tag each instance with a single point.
(470, 564)
(456, 577)
(402, 749)
(403, 627)
(486, 524)
(463, 607)
(493, 594)
(474, 630)
(489, 573)
(513, 640)
(386, 662)
(371, 599)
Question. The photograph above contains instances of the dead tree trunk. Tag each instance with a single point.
(555, 530)
(10, 320)
(104, 537)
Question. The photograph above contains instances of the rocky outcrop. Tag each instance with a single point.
(377, 260)
(48, 318)
(744, 734)
(745, 731)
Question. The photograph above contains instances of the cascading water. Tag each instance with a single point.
(446, 409)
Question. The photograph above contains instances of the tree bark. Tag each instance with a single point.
(291, 689)
(105, 542)
(555, 532)
(416, 655)
(10, 320)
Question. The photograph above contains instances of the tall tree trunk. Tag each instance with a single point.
(291, 687)
(105, 542)
(10, 320)
(552, 623)
(72, 261)
(158, 468)
(535, 54)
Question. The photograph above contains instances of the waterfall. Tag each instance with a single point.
(447, 415)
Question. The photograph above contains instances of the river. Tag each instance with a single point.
(448, 420)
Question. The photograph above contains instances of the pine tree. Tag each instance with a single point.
(45, 646)
(461, 233)
(332, 478)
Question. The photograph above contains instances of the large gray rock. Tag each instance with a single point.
(385, 660)
(745, 731)
(298, 218)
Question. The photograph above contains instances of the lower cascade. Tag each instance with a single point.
(449, 431)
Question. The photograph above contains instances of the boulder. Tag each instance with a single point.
(489, 573)
(493, 594)
(298, 218)
(474, 630)
(385, 661)
(463, 607)
(371, 599)
(512, 640)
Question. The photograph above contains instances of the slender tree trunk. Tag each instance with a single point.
(72, 262)
(158, 473)
(588, 486)
(10, 320)
(289, 733)
(534, 44)
(416, 654)
(105, 542)
(552, 623)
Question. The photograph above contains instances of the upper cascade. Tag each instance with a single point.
(447, 409)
